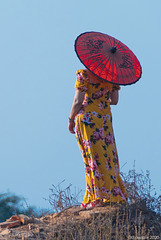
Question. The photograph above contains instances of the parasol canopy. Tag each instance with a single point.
(108, 58)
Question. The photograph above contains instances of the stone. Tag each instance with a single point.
(5, 232)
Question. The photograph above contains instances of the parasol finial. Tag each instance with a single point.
(113, 49)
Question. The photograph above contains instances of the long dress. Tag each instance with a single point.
(95, 137)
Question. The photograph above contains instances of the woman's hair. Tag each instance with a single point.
(93, 78)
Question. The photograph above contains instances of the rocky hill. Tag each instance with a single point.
(112, 221)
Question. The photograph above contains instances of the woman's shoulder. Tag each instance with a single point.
(89, 77)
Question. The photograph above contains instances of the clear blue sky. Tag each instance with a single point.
(37, 77)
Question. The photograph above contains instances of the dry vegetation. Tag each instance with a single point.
(140, 218)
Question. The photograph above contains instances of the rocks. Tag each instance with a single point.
(15, 221)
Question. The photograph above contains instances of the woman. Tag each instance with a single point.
(94, 133)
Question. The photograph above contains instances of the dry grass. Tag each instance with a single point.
(122, 222)
(139, 218)
(61, 198)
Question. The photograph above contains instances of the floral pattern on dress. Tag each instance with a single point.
(95, 137)
(87, 120)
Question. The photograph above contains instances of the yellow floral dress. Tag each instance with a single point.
(94, 134)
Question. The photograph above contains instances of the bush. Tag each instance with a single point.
(140, 190)
(11, 204)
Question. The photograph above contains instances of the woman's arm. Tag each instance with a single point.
(114, 97)
(77, 104)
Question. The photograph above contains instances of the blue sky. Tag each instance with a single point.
(37, 77)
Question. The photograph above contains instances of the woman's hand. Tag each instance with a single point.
(71, 126)
(114, 97)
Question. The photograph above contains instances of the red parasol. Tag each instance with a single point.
(108, 58)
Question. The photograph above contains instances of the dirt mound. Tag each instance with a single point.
(127, 221)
